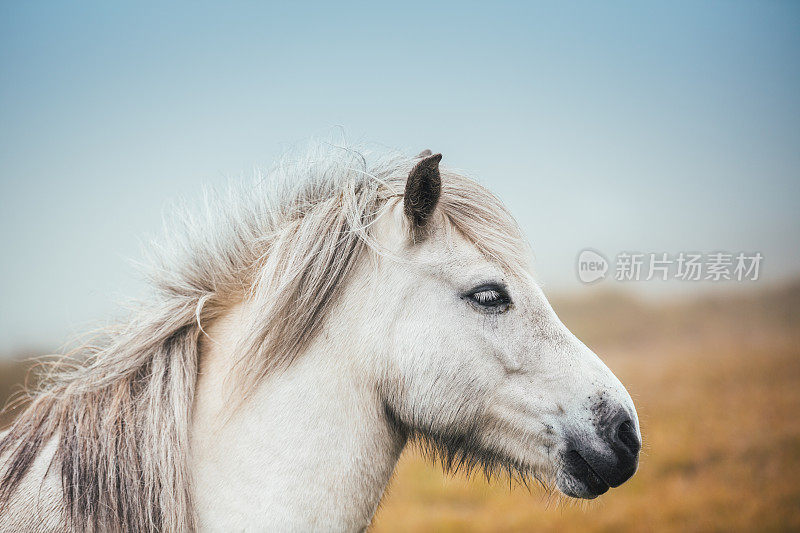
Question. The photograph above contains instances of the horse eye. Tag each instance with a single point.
(491, 297)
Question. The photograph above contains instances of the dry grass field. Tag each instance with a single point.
(716, 381)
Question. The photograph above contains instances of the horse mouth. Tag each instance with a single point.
(578, 479)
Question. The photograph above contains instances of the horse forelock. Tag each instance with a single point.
(287, 243)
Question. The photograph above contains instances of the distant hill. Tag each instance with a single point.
(13, 372)
(612, 318)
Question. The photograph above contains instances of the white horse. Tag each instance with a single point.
(296, 341)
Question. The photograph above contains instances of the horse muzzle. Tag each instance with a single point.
(590, 467)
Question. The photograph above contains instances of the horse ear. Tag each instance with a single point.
(423, 187)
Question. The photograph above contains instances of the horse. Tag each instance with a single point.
(302, 330)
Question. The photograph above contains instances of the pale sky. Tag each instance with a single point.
(617, 126)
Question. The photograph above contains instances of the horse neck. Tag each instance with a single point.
(311, 449)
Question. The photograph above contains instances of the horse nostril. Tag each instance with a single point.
(626, 434)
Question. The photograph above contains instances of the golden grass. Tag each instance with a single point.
(721, 452)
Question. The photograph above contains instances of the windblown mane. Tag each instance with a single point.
(120, 409)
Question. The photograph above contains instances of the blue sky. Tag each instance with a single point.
(618, 126)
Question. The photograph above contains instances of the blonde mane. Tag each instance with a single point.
(121, 414)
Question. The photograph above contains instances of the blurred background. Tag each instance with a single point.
(619, 127)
